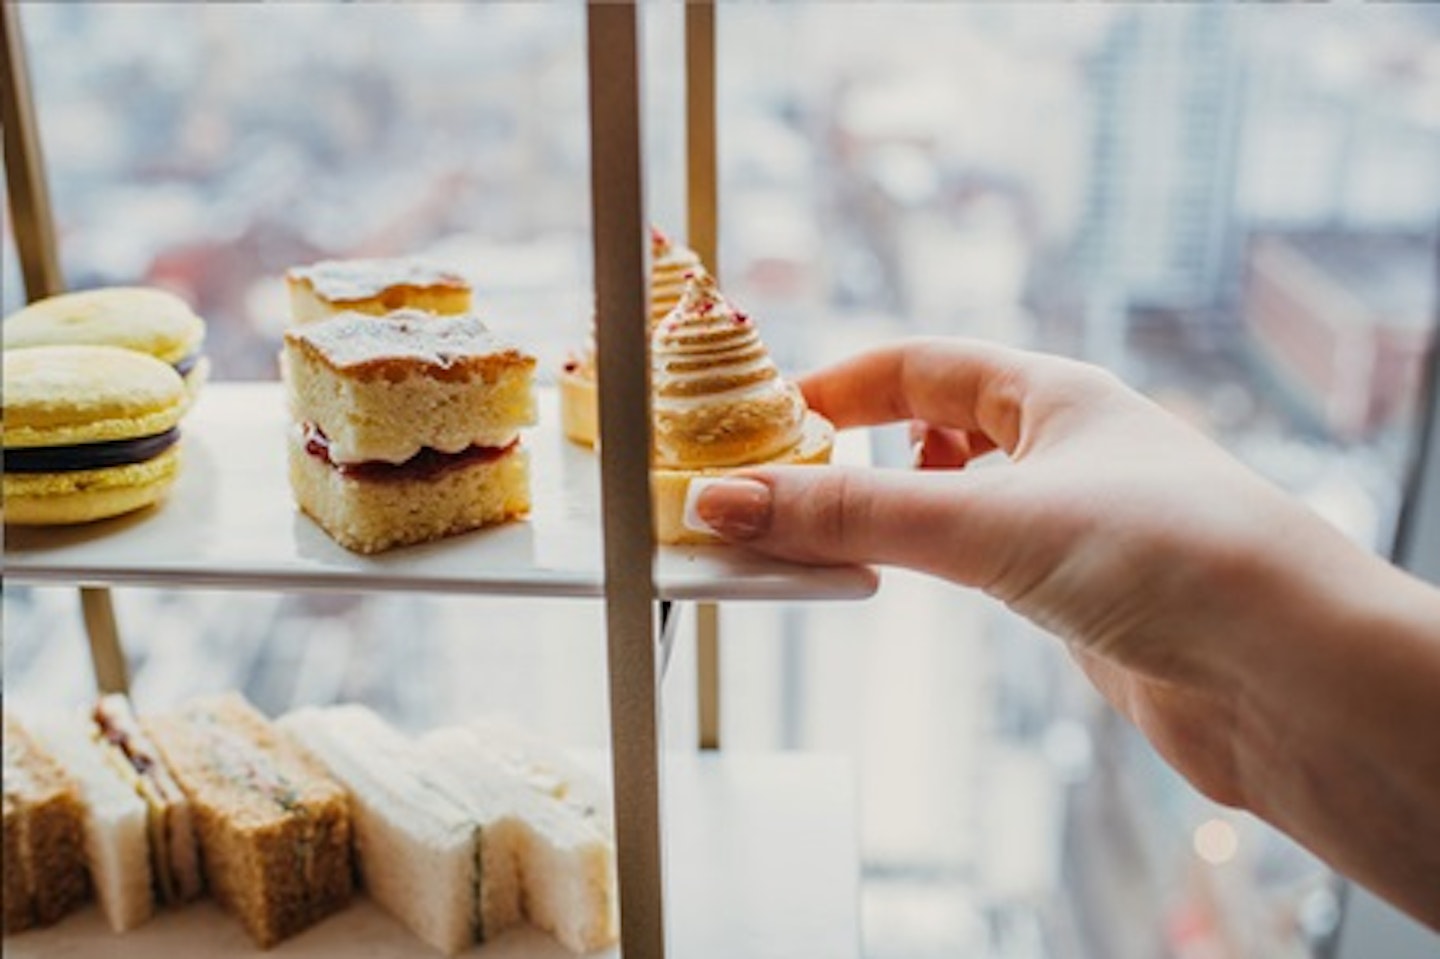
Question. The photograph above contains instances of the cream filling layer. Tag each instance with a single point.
(349, 448)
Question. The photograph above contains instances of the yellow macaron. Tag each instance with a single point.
(134, 318)
(89, 432)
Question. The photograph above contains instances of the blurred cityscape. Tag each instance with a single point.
(1233, 206)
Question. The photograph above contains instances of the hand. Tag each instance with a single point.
(1110, 524)
(1210, 608)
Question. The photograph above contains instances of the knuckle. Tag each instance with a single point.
(837, 512)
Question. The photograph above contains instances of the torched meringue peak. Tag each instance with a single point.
(670, 263)
(718, 398)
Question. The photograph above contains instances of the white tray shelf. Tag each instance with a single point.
(231, 522)
(762, 853)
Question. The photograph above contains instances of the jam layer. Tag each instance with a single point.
(88, 456)
(424, 465)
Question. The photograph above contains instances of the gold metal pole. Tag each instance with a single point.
(701, 153)
(702, 229)
(25, 168)
(617, 199)
(106, 656)
(707, 672)
(40, 268)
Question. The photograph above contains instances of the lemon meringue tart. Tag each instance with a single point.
(719, 404)
(671, 264)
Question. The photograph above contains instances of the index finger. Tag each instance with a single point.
(961, 384)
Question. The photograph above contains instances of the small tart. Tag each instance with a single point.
(718, 398)
(579, 406)
(671, 264)
(670, 487)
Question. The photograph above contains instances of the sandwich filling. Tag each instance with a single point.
(174, 860)
(427, 464)
(235, 758)
(89, 456)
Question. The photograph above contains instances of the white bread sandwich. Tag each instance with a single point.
(375, 287)
(274, 830)
(407, 428)
(116, 844)
(541, 765)
(566, 864)
(44, 854)
(447, 873)
(174, 855)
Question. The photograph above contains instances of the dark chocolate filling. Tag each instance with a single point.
(89, 456)
(186, 363)
(427, 464)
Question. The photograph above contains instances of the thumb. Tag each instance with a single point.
(833, 515)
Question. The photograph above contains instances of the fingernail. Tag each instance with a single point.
(732, 508)
(917, 453)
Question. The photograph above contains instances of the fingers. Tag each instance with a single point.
(830, 515)
(936, 447)
(964, 385)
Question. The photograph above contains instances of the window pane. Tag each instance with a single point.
(1232, 206)
(258, 137)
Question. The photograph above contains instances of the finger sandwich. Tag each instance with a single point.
(44, 855)
(274, 829)
(540, 765)
(565, 858)
(456, 845)
(407, 427)
(116, 847)
(173, 853)
(375, 287)
(443, 868)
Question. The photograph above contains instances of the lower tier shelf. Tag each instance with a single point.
(762, 858)
(231, 522)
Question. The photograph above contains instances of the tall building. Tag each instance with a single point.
(1158, 230)
(1341, 321)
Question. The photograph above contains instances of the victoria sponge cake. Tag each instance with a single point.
(407, 426)
(376, 287)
